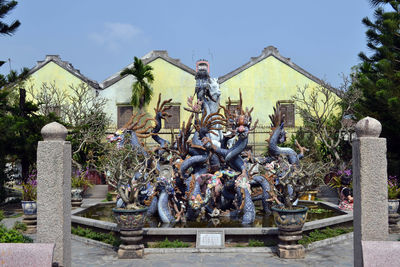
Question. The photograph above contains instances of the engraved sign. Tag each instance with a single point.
(210, 239)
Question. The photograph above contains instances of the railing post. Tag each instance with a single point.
(369, 186)
(54, 191)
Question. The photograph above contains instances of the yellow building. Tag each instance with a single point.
(265, 81)
(171, 78)
(55, 72)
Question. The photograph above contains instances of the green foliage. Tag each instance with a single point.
(20, 226)
(256, 243)
(20, 124)
(5, 7)
(141, 89)
(378, 76)
(29, 188)
(318, 211)
(393, 187)
(1, 215)
(317, 235)
(12, 236)
(80, 179)
(171, 244)
(109, 196)
(108, 238)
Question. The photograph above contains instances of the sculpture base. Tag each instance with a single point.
(132, 247)
(76, 203)
(291, 251)
(288, 247)
(394, 228)
(31, 222)
(130, 253)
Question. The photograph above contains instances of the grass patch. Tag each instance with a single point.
(170, 244)
(318, 211)
(256, 243)
(318, 235)
(108, 238)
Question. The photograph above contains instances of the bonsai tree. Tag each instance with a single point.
(128, 171)
(289, 181)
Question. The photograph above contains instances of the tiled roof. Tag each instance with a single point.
(273, 51)
(67, 66)
(151, 56)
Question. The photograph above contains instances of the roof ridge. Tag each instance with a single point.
(65, 65)
(148, 58)
(273, 51)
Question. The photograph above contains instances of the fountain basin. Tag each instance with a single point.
(232, 234)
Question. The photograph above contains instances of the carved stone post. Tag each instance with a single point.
(369, 185)
(54, 191)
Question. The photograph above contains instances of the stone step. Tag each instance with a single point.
(97, 191)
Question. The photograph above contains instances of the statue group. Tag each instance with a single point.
(208, 170)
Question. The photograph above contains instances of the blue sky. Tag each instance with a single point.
(102, 37)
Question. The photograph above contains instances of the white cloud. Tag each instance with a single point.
(114, 34)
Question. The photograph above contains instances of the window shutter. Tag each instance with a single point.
(175, 119)
(288, 110)
(124, 114)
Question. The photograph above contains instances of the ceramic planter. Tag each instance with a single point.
(290, 220)
(309, 195)
(76, 197)
(290, 224)
(394, 217)
(393, 205)
(29, 207)
(130, 224)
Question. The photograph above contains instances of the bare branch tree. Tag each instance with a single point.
(320, 106)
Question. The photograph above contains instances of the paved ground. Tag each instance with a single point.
(338, 254)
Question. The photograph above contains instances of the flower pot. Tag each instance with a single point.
(130, 224)
(394, 217)
(290, 224)
(29, 207)
(290, 220)
(76, 197)
(393, 205)
(308, 195)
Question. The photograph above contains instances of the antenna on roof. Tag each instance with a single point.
(193, 56)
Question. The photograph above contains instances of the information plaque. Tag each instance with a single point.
(210, 239)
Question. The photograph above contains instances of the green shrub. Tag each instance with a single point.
(171, 244)
(108, 238)
(256, 243)
(12, 236)
(1, 215)
(109, 197)
(317, 235)
(20, 226)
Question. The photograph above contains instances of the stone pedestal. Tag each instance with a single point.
(132, 246)
(54, 192)
(369, 186)
(31, 222)
(288, 247)
(394, 228)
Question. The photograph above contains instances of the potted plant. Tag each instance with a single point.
(129, 171)
(79, 183)
(29, 205)
(393, 203)
(289, 181)
(29, 194)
